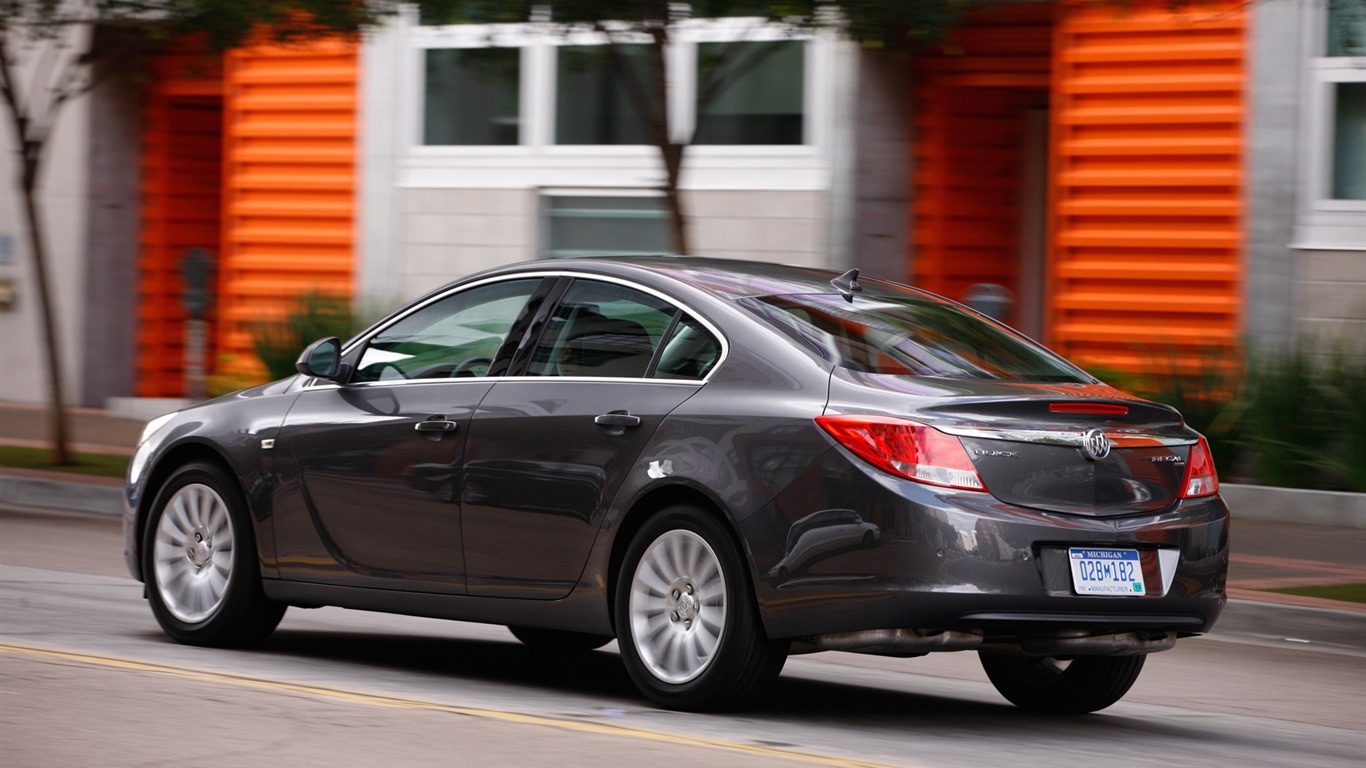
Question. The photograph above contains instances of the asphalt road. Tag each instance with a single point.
(87, 679)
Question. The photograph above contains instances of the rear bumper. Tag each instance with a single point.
(961, 561)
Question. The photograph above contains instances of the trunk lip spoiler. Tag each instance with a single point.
(1119, 438)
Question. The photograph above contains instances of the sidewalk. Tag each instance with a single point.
(1270, 550)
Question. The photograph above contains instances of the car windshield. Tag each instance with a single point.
(910, 334)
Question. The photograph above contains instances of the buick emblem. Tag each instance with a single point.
(1095, 445)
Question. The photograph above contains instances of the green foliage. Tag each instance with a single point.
(1354, 593)
(315, 315)
(99, 464)
(1294, 419)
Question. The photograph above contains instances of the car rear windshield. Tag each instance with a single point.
(911, 334)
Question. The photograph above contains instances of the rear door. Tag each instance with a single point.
(549, 449)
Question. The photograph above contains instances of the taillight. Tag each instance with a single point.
(1201, 479)
(905, 448)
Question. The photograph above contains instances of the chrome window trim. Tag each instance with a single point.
(370, 333)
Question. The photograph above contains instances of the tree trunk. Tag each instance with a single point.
(61, 455)
(31, 151)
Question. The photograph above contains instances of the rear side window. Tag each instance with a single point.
(910, 334)
(614, 331)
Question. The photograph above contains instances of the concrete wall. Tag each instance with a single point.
(1330, 297)
(432, 214)
(109, 339)
(63, 192)
(443, 234)
(1305, 278)
(1275, 101)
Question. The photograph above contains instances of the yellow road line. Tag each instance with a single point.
(581, 726)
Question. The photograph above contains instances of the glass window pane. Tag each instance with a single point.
(472, 96)
(587, 225)
(1347, 28)
(910, 334)
(759, 99)
(690, 353)
(1349, 142)
(457, 336)
(601, 329)
(592, 103)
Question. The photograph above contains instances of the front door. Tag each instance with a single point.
(372, 467)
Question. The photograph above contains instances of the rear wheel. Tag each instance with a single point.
(687, 624)
(1076, 686)
(559, 640)
(199, 559)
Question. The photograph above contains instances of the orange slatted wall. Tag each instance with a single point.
(181, 173)
(290, 180)
(971, 96)
(1147, 211)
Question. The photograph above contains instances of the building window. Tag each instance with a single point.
(594, 101)
(1349, 141)
(602, 225)
(1347, 28)
(472, 96)
(750, 92)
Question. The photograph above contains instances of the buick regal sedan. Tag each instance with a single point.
(716, 464)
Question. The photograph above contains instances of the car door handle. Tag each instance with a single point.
(436, 424)
(617, 419)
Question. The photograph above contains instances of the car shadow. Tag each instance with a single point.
(794, 700)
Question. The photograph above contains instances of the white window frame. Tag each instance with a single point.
(1325, 223)
(537, 162)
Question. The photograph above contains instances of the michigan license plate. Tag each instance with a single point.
(1113, 572)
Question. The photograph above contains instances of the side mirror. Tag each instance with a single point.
(322, 359)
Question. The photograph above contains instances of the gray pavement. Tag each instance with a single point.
(1273, 546)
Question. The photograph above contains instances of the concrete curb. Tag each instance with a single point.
(46, 493)
(1292, 623)
(1295, 505)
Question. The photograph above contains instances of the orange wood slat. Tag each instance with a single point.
(180, 190)
(971, 98)
(290, 182)
(1147, 210)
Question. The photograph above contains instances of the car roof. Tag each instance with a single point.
(725, 278)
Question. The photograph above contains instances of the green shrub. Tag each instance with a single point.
(1288, 423)
(315, 315)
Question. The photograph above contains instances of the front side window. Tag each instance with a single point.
(458, 336)
(750, 93)
(912, 335)
(472, 97)
(594, 101)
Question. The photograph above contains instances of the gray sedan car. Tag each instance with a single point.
(715, 463)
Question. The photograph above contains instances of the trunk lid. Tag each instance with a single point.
(1029, 442)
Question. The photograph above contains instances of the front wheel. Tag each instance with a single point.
(1074, 687)
(200, 562)
(687, 624)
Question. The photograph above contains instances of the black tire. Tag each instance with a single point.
(1083, 684)
(707, 613)
(199, 561)
(558, 640)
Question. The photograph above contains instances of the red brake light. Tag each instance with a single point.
(905, 448)
(1105, 408)
(1201, 479)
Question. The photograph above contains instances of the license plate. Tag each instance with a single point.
(1113, 572)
